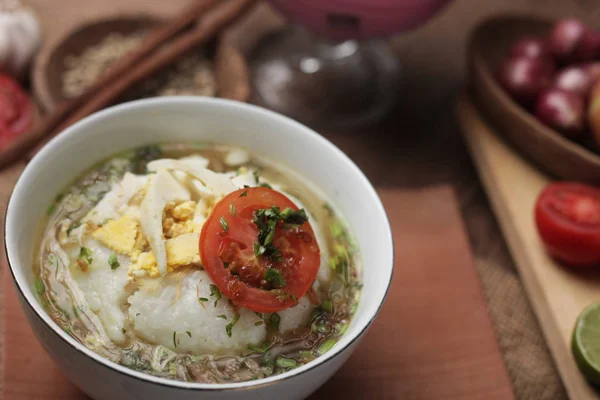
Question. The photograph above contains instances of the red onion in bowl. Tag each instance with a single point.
(523, 78)
(575, 79)
(588, 47)
(593, 69)
(530, 47)
(565, 36)
(562, 110)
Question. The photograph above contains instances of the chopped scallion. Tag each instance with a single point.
(85, 255)
(113, 262)
(283, 362)
(260, 349)
(327, 305)
(275, 277)
(40, 288)
(231, 324)
(326, 346)
(224, 224)
(214, 291)
(274, 320)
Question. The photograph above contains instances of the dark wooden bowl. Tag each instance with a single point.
(488, 46)
(231, 72)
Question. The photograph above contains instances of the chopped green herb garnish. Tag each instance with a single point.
(340, 262)
(40, 288)
(337, 230)
(225, 264)
(142, 156)
(258, 249)
(341, 328)
(223, 316)
(306, 354)
(202, 299)
(297, 217)
(274, 320)
(232, 209)
(267, 220)
(326, 346)
(264, 184)
(327, 305)
(231, 324)
(260, 349)
(74, 225)
(275, 277)
(124, 330)
(244, 193)
(189, 333)
(51, 209)
(283, 362)
(85, 257)
(175, 339)
(112, 261)
(259, 323)
(224, 224)
(256, 174)
(258, 314)
(214, 291)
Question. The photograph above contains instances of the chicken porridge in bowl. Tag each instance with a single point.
(199, 263)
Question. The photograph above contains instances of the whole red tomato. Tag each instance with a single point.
(568, 220)
(16, 110)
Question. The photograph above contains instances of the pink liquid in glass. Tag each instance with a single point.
(358, 19)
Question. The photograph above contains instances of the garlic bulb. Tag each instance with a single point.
(20, 36)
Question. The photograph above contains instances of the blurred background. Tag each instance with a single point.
(415, 143)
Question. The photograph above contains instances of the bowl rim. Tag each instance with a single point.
(260, 112)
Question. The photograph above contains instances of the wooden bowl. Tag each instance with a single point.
(231, 72)
(488, 46)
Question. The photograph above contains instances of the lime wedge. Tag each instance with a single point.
(586, 343)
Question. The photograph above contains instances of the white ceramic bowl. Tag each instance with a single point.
(193, 119)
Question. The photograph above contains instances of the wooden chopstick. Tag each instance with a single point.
(49, 124)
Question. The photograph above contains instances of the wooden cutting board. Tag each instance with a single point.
(432, 340)
(557, 294)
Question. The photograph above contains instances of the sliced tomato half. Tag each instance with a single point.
(230, 248)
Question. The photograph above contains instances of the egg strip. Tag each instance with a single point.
(220, 184)
(163, 189)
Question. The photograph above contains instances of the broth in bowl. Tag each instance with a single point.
(199, 263)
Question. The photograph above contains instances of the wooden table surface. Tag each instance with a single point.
(419, 145)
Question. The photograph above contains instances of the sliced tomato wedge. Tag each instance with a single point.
(261, 278)
(567, 216)
(16, 110)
